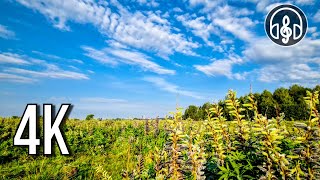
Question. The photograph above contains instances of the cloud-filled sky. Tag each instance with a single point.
(133, 58)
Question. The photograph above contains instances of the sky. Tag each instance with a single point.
(134, 58)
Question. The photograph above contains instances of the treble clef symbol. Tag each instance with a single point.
(285, 31)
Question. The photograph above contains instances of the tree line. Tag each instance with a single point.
(289, 101)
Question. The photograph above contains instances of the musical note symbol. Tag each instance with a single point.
(285, 31)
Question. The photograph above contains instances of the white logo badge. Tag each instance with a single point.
(286, 25)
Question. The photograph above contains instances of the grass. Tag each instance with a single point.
(243, 147)
(97, 147)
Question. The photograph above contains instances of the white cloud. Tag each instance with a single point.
(220, 21)
(115, 56)
(50, 56)
(55, 57)
(15, 78)
(261, 4)
(133, 29)
(293, 73)
(55, 73)
(231, 11)
(90, 71)
(127, 28)
(266, 5)
(234, 20)
(99, 55)
(296, 64)
(11, 58)
(151, 3)
(24, 75)
(222, 67)
(77, 61)
(265, 51)
(178, 65)
(305, 2)
(313, 31)
(136, 58)
(177, 9)
(199, 28)
(6, 33)
(207, 4)
(316, 17)
(172, 88)
(269, 7)
(73, 67)
(237, 26)
(115, 44)
(156, 18)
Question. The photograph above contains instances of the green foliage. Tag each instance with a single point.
(288, 101)
(233, 139)
(267, 104)
(235, 168)
(90, 117)
(100, 149)
(191, 112)
(197, 113)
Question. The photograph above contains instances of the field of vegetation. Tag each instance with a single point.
(235, 140)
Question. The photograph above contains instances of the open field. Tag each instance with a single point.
(159, 90)
(246, 147)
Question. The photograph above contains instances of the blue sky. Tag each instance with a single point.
(133, 58)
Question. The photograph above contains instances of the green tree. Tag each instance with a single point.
(299, 109)
(89, 116)
(202, 113)
(317, 88)
(285, 102)
(298, 92)
(191, 112)
(266, 104)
